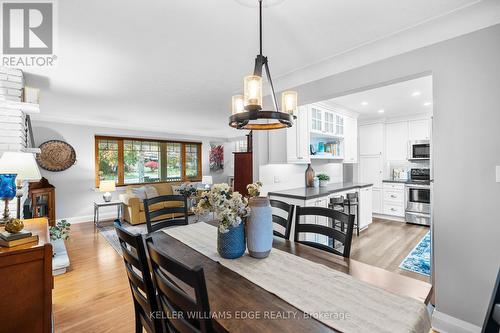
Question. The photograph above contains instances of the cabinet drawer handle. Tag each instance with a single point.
(393, 209)
(393, 196)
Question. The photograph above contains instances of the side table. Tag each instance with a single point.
(99, 204)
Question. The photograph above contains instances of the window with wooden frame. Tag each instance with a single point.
(142, 161)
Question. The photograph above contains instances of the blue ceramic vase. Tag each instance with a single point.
(260, 228)
(231, 244)
(7, 186)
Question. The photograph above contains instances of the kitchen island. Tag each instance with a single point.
(320, 197)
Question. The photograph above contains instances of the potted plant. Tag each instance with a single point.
(189, 191)
(259, 223)
(230, 209)
(60, 230)
(323, 179)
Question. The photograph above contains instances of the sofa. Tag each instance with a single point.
(134, 206)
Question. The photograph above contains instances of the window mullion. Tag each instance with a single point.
(121, 163)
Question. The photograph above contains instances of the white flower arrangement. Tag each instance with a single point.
(254, 189)
(230, 207)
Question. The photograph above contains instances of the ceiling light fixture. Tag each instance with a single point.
(381, 111)
(427, 103)
(247, 112)
(364, 103)
(416, 93)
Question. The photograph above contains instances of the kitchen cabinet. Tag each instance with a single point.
(396, 141)
(290, 145)
(321, 220)
(316, 119)
(297, 139)
(419, 129)
(371, 139)
(370, 168)
(394, 199)
(377, 200)
(365, 207)
(350, 140)
(325, 121)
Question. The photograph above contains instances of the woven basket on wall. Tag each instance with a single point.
(56, 155)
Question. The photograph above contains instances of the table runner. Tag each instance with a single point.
(322, 292)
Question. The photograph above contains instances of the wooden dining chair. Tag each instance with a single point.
(492, 321)
(344, 237)
(141, 284)
(163, 211)
(182, 312)
(284, 222)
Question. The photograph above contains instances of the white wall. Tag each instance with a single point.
(75, 191)
(466, 77)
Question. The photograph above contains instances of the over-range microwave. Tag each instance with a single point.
(419, 150)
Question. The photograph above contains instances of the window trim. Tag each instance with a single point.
(121, 173)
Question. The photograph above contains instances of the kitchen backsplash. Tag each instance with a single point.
(275, 177)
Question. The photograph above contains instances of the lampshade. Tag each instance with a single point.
(107, 186)
(252, 86)
(237, 104)
(289, 102)
(22, 164)
(207, 180)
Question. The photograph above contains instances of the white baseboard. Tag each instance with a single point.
(90, 218)
(444, 323)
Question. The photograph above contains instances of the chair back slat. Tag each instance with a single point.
(330, 232)
(174, 205)
(492, 321)
(139, 276)
(175, 300)
(284, 222)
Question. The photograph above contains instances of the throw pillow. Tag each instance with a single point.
(139, 192)
(151, 191)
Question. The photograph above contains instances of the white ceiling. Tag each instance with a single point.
(397, 100)
(172, 66)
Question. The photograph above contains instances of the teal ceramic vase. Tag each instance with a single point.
(260, 228)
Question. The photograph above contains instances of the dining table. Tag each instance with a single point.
(240, 305)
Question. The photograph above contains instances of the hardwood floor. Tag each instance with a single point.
(386, 243)
(94, 295)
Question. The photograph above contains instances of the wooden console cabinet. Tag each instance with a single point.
(27, 283)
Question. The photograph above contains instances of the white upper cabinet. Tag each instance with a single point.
(396, 141)
(325, 121)
(316, 119)
(290, 145)
(371, 139)
(419, 129)
(297, 138)
(350, 125)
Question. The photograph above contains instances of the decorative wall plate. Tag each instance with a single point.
(56, 156)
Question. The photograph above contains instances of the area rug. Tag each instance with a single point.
(419, 259)
(107, 230)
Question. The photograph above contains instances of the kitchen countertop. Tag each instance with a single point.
(306, 193)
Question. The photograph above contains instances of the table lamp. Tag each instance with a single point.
(25, 167)
(107, 186)
(207, 181)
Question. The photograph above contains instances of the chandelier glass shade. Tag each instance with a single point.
(247, 111)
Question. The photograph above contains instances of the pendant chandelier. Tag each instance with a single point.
(247, 112)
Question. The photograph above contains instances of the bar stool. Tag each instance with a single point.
(352, 201)
(337, 203)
